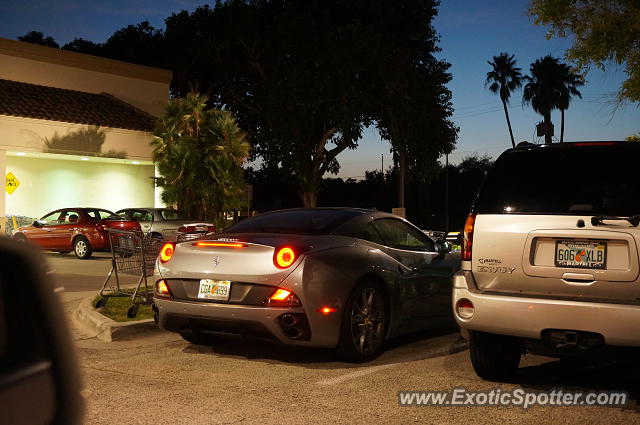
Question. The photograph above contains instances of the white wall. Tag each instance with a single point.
(27, 134)
(49, 184)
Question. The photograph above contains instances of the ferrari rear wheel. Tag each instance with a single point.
(364, 323)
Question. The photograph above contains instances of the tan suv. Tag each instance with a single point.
(550, 256)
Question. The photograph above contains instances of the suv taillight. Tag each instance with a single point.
(467, 241)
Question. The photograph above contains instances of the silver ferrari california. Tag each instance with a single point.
(323, 277)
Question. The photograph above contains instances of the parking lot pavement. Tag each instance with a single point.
(163, 380)
(76, 275)
(158, 378)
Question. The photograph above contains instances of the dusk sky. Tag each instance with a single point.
(471, 33)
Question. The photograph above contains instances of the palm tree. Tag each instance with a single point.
(199, 152)
(569, 89)
(544, 89)
(504, 78)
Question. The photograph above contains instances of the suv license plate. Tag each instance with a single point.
(214, 289)
(581, 254)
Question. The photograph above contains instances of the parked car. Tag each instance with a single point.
(323, 277)
(550, 256)
(81, 230)
(167, 223)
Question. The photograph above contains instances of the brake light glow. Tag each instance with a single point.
(162, 289)
(467, 241)
(221, 244)
(326, 310)
(167, 252)
(280, 294)
(282, 298)
(284, 257)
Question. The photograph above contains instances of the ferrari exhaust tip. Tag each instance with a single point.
(289, 320)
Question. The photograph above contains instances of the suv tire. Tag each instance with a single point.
(494, 357)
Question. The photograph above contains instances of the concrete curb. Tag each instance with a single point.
(109, 330)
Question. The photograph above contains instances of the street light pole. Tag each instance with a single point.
(446, 194)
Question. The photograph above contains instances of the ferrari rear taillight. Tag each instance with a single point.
(467, 241)
(284, 257)
(282, 298)
(162, 289)
(167, 252)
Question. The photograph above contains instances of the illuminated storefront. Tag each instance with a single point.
(75, 130)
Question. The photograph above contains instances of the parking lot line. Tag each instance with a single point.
(437, 351)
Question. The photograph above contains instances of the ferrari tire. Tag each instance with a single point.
(364, 323)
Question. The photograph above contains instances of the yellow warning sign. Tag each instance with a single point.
(12, 183)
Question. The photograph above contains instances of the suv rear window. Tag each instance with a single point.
(576, 180)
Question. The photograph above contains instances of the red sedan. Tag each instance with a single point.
(81, 230)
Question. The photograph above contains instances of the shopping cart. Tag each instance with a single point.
(133, 253)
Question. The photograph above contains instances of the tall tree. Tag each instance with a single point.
(602, 31)
(413, 106)
(37, 37)
(504, 78)
(142, 44)
(80, 45)
(543, 89)
(304, 77)
(569, 88)
(199, 152)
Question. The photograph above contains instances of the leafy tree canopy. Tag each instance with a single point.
(305, 77)
(36, 37)
(603, 31)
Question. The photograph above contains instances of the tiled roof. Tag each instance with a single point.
(54, 104)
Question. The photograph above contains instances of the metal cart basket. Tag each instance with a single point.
(132, 253)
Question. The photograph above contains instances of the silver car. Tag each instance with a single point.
(167, 223)
(550, 256)
(322, 277)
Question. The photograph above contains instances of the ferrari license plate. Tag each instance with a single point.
(581, 254)
(214, 289)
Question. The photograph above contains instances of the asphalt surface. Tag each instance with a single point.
(156, 378)
(84, 275)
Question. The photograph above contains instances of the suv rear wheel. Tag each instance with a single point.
(494, 357)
